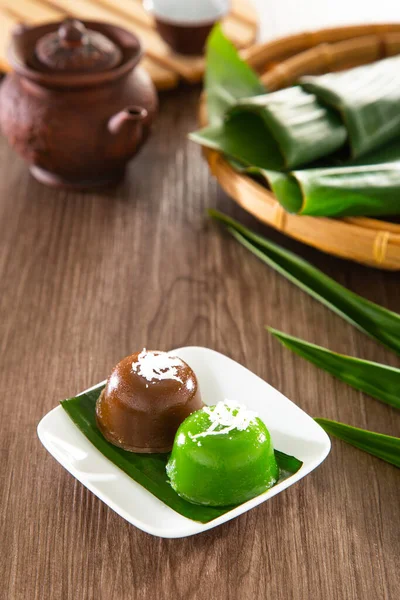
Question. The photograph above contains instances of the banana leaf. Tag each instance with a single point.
(336, 191)
(243, 139)
(227, 76)
(304, 129)
(371, 190)
(379, 323)
(350, 189)
(383, 446)
(149, 469)
(367, 186)
(367, 98)
(379, 381)
(339, 191)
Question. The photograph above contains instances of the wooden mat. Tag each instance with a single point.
(165, 67)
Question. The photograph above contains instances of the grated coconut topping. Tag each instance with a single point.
(227, 415)
(157, 366)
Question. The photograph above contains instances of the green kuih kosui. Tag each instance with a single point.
(222, 456)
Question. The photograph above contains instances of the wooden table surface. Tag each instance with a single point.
(89, 278)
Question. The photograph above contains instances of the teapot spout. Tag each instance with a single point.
(128, 124)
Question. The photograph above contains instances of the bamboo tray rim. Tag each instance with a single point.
(381, 239)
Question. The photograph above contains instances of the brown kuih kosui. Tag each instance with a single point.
(147, 396)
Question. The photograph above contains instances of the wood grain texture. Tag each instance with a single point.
(87, 279)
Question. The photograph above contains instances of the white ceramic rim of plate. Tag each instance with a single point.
(189, 527)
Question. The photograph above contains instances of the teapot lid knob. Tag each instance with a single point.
(72, 33)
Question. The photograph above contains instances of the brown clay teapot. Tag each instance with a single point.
(75, 107)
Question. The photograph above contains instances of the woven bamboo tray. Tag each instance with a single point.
(369, 241)
(165, 67)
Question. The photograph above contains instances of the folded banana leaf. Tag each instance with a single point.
(379, 381)
(149, 469)
(267, 146)
(379, 323)
(352, 189)
(383, 446)
(368, 100)
(242, 139)
(303, 129)
(336, 191)
(339, 191)
(227, 76)
(372, 190)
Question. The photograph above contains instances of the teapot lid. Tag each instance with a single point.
(75, 49)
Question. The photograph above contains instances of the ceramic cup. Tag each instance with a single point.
(185, 24)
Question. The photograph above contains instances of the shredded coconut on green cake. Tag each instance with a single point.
(157, 366)
(226, 416)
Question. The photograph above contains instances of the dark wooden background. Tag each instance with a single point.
(89, 278)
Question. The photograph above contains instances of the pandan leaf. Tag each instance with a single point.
(149, 469)
(379, 323)
(379, 381)
(383, 446)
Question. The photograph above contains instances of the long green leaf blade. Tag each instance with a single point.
(149, 469)
(383, 446)
(379, 323)
(379, 381)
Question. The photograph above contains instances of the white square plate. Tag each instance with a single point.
(220, 378)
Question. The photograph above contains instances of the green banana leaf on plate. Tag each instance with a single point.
(149, 469)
